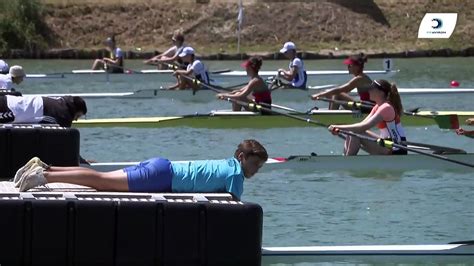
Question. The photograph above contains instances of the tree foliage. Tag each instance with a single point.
(22, 26)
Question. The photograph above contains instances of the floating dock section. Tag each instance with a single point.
(95, 228)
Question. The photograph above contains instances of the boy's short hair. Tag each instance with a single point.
(251, 147)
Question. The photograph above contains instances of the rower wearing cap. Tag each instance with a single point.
(296, 73)
(195, 69)
(15, 75)
(385, 115)
(114, 62)
(256, 86)
(360, 81)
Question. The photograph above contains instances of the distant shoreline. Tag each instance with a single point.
(99, 53)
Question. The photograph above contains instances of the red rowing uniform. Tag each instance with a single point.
(263, 96)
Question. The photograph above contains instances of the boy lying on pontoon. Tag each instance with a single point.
(156, 174)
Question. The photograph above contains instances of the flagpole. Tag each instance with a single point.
(239, 24)
(238, 40)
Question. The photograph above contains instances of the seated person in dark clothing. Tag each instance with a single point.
(36, 109)
(42, 110)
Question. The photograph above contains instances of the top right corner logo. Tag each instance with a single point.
(437, 25)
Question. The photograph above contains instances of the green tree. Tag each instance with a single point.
(22, 26)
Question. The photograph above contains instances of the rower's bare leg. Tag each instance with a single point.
(174, 87)
(373, 148)
(354, 144)
(68, 168)
(236, 107)
(161, 66)
(178, 85)
(351, 146)
(98, 64)
(108, 181)
(339, 97)
(184, 83)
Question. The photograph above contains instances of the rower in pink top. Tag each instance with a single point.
(385, 115)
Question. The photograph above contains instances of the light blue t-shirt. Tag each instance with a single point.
(208, 176)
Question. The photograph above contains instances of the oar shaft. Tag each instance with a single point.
(280, 107)
(259, 107)
(169, 65)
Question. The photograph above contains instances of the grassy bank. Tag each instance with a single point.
(325, 26)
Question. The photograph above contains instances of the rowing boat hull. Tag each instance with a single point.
(375, 74)
(231, 120)
(295, 95)
(371, 255)
(227, 73)
(361, 163)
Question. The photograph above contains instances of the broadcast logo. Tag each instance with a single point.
(437, 25)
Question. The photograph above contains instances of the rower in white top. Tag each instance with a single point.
(195, 70)
(296, 73)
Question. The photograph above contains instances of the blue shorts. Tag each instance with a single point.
(152, 175)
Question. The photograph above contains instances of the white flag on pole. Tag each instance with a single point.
(240, 17)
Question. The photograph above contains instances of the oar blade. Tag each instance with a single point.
(447, 121)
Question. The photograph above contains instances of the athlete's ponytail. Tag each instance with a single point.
(394, 98)
(391, 94)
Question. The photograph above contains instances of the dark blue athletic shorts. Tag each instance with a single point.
(152, 175)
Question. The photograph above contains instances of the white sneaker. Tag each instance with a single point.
(35, 161)
(32, 178)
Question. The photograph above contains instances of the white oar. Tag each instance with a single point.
(49, 75)
(322, 87)
(284, 108)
